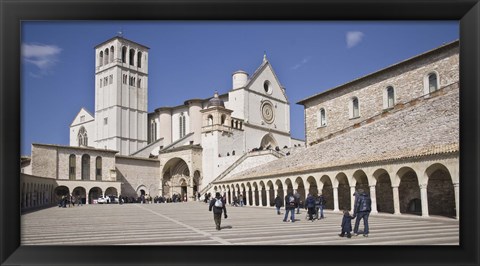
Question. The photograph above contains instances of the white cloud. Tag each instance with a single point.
(43, 56)
(353, 38)
(303, 62)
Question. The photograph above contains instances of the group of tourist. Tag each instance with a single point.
(70, 201)
(314, 204)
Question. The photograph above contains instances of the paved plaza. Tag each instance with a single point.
(192, 224)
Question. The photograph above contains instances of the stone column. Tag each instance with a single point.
(424, 198)
(456, 187)
(285, 192)
(373, 196)
(260, 197)
(335, 199)
(267, 193)
(352, 198)
(87, 200)
(307, 189)
(396, 200)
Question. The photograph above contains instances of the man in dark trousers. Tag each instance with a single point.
(290, 205)
(218, 205)
(362, 208)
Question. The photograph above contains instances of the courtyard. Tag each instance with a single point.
(192, 224)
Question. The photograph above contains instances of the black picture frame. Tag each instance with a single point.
(467, 12)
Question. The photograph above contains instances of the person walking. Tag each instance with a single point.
(278, 203)
(346, 224)
(319, 205)
(310, 206)
(290, 205)
(363, 206)
(217, 204)
(297, 199)
(241, 200)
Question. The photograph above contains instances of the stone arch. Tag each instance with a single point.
(344, 199)
(271, 191)
(80, 193)
(263, 194)
(409, 191)
(197, 178)
(300, 187)
(250, 193)
(174, 170)
(361, 180)
(279, 188)
(141, 190)
(383, 191)
(313, 188)
(327, 191)
(93, 194)
(111, 191)
(288, 186)
(268, 141)
(59, 192)
(440, 191)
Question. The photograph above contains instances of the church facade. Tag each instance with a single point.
(393, 133)
(173, 150)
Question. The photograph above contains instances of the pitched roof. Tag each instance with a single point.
(414, 131)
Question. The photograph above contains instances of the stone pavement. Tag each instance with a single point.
(192, 224)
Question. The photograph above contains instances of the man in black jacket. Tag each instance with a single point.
(362, 208)
(218, 205)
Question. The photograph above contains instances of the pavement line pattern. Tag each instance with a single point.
(216, 238)
(192, 224)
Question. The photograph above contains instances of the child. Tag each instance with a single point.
(346, 224)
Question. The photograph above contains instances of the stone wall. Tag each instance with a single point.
(136, 172)
(407, 79)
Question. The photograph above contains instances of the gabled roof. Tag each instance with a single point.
(83, 108)
(257, 73)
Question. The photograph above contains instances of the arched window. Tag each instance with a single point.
(355, 110)
(182, 125)
(112, 53)
(124, 54)
(101, 82)
(223, 119)
(82, 137)
(100, 59)
(210, 120)
(390, 97)
(139, 83)
(322, 119)
(153, 131)
(106, 56)
(432, 82)
(86, 167)
(98, 168)
(71, 166)
(132, 56)
(139, 59)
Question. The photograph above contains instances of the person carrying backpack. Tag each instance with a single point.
(290, 205)
(362, 208)
(217, 204)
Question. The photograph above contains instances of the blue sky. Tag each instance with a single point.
(191, 59)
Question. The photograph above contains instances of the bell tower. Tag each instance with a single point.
(121, 90)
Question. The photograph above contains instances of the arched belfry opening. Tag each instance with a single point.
(176, 179)
(268, 141)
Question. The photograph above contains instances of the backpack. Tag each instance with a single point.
(291, 201)
(219, 203)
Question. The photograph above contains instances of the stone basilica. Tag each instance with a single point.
(394, 133)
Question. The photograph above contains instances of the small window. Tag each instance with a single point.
(100, 59)
(105, 121)
(224, 117)
(355, 110)
(322, 118)
(71, 166)
(132, 56)
(210, 120)
(111, 53)
(106, 56)
(139, 82)
(139, 59)
(124, 54)
(110, 79)
(101, 83)
(390, 97)
(432, 82)
(267, 87)
(98, 168)
(82, 118)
